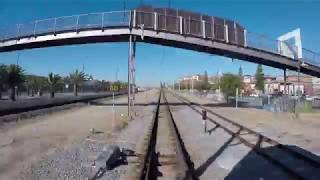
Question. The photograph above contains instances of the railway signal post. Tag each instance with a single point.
(204, 120)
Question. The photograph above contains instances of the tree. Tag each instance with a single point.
(205, 82)
(15, 78)
(229, 83)
(77, 78)
(29, 84)
(36, 84)
(40, 83)
(53, 80)
(3, 78)
(259, 78)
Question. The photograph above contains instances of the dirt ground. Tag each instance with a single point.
(23, 145)
(284, 127)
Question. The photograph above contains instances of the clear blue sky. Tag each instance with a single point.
(155, 63)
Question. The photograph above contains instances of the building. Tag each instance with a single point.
(305, 84)
(195, 81)
(273, 84)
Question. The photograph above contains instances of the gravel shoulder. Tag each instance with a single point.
(61, 145)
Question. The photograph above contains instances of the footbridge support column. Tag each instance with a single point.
(131, 75)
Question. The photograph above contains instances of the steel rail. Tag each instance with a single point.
(150, 161)
(190, 173)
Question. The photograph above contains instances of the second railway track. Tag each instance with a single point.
(298, 165)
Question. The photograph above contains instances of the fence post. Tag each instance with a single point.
(54, 26)
(189, 25)
(18, 31)
(212, 28)
(203, 23)
(77, 24)
(235, 32)
(279, 47)
(155, 25)
(181, 24)
(245, 38)
(226, 34)
(35, 28)
(165, 20)
(134, 18)
(102, 21)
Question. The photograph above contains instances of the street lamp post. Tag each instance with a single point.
(173, 84)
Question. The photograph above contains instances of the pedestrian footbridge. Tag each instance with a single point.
(163, 26)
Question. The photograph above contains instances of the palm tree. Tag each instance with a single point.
(15, 78)
(53, 80)
(3, 78)
(77, 78)
(36, 84)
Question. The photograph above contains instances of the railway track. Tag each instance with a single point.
(298, 165)
(55, 103)
(166, 156)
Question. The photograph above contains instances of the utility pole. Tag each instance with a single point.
(299, 93)
(173, 84)
(285, 80)
(237, 93)
(192, 84)
(131, 74)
